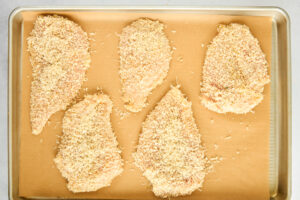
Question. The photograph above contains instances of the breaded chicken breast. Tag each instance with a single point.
(169, 151)
(145, 56)
(59, 55)
(235, 71)
(88, 156)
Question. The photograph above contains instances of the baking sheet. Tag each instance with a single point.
(241, 140)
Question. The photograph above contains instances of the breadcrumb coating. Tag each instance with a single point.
(145, 56)
(59, 55)
(234, 72)
(169, 152)
(88, 156)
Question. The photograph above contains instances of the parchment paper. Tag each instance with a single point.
(241, 140)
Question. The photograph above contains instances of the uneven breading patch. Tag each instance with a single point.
(88, 156)
(145, 56)
(169, 152)
(234, 72)
(59, 55)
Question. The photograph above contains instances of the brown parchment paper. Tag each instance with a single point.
(241, 140)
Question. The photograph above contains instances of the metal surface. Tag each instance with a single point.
(280, 140)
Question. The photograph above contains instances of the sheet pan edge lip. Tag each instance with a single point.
(289, 86)
(286, 16)
(11, 16)
(17, 10)
(14, 12)
(150, 7)
(9, 103)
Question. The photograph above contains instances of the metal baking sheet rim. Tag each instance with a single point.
(284, 156)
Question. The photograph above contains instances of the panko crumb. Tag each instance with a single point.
(122, 114)
(180, 59)
(228, 137)
(235, 71)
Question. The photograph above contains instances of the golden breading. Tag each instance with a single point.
(145, 56)
(88, 156)
(169, 151)
(234, 72)
(59, 55)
